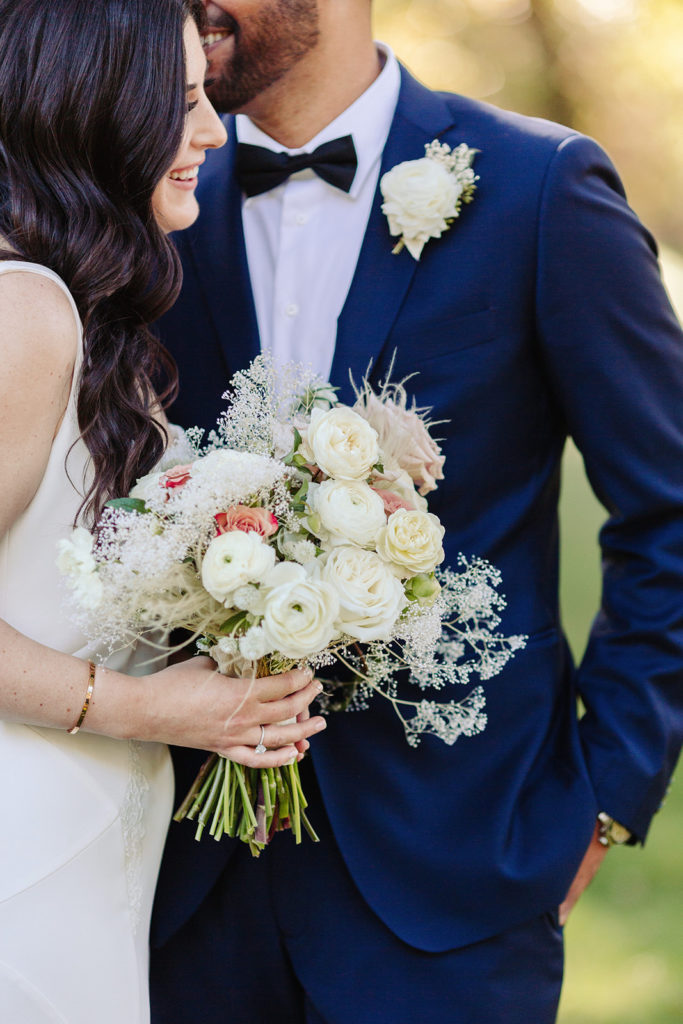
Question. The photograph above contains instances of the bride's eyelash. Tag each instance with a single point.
(192, 105)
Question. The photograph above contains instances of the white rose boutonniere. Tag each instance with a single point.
(423, 197)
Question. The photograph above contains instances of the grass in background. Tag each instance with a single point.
(625, 937)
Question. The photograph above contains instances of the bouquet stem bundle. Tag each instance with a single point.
(250, 804)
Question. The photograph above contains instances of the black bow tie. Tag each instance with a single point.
(259, 169)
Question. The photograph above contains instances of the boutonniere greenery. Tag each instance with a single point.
(423, 197)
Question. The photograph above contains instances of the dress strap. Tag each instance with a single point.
(14, 266)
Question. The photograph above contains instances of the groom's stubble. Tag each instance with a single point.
(265, 45)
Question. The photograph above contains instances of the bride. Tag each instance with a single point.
(103, 124)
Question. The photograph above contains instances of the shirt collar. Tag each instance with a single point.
(368, 120)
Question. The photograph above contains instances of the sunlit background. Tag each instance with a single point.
(612, 69)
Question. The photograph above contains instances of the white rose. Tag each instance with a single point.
(370, 595)
(349, 511)
(234, 559)
(300, 617)
(341, 443)
(420, 196)
(412, 542)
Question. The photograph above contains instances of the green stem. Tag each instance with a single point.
(208, 807)
(293, 772)
(201, 796)
(220, 789)
(309, 828)
(249, 818)
(187, 803)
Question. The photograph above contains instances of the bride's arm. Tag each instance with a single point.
(186, 704)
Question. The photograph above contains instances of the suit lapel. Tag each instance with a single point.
(218, 251)
(381, 279)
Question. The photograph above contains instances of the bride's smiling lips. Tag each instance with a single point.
(185, 178)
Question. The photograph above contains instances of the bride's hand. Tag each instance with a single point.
(190, 704)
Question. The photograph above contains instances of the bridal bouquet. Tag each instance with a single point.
(297, 534)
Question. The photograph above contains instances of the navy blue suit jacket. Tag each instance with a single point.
(539, 314)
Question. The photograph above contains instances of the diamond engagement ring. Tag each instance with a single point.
(260, 747)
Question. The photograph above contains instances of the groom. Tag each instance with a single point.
(538, 314)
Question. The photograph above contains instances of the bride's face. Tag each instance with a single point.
(252, 44)
(174, 202)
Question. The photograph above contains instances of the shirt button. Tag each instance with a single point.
(301, 219)
(291, 309)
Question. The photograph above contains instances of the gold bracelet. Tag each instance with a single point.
(86, 702)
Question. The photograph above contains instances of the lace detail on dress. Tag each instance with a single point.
(133, 827)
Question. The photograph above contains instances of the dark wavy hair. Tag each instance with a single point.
(92, 110)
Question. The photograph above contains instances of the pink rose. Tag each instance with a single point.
(242, 517)
(391, 501)
(176, 477)
(403, 436)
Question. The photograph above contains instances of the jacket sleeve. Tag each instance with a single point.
(614, 354)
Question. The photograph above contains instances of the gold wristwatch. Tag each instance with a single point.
(610, 832)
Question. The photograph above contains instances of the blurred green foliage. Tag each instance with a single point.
(610, 68)
(613, 69)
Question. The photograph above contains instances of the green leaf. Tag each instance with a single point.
(231, 625)
(301, 493)
(128, 505)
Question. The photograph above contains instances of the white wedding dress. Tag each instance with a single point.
(82, 818)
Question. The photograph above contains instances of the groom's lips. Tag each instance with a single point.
(213, 37)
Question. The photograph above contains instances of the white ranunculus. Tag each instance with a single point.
(371, 597)
(420, 197)
(341, 443)
(349, 511)
(234, 559)
(75, 559)
(147, 488)
(300, 617)
(75, 553)
(283, 573)
(412, 542)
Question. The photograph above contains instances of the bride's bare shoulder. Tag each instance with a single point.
(39, 334)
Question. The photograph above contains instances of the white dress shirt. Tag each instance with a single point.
(303, 237)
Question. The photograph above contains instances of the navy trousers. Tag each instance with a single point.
(288, 938)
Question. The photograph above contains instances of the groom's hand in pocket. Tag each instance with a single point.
(593, 858)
